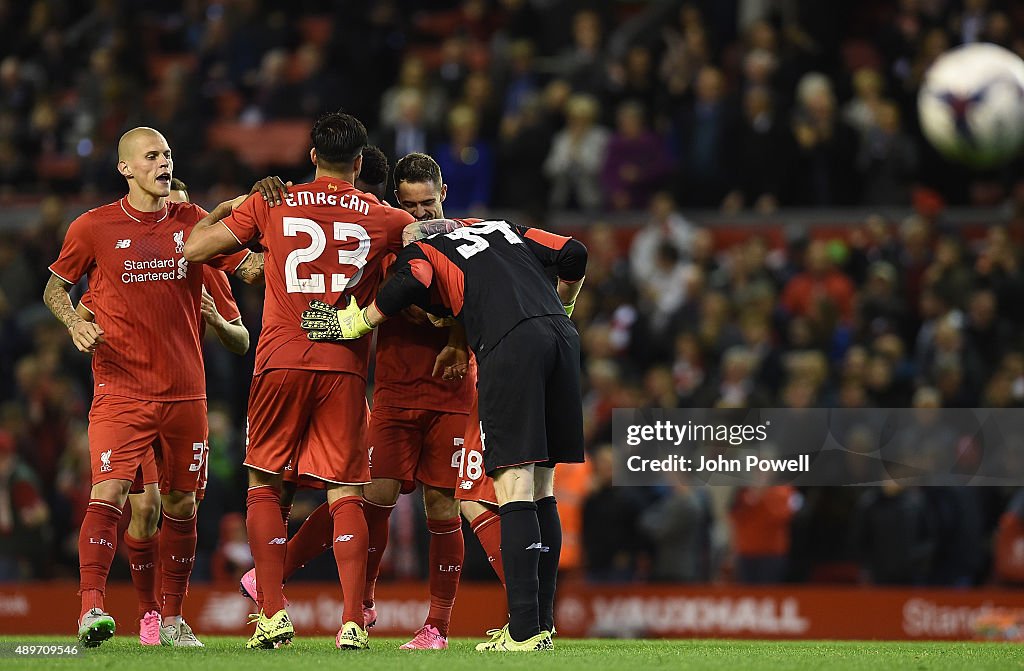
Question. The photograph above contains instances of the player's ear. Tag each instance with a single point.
(357, 166)
(312, 155)
(122, 167)
(444, 192)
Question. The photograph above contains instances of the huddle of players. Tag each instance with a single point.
(307, 414)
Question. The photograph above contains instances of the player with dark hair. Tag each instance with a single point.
(147, 368)
(373, 177)
(307, 403)
(415, 435)
(492, 277)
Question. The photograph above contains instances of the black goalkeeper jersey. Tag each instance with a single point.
(491, 275)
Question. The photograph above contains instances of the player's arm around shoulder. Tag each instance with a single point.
(208, 239)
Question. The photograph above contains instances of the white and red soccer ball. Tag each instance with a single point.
(971, 105)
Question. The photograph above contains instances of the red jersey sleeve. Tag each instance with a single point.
(86, 302)
(77, 254)
(245, 222)
(216, 283)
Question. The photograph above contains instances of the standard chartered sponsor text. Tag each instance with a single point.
(147, 267)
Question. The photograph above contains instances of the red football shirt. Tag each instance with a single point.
(216, 283)
(325, 241)
(406, 352)
(145, 296)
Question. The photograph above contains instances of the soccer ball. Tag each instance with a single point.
(971, 105)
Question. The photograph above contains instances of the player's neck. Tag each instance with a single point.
(336, 174)
(145, 202)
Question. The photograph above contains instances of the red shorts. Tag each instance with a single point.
(416, 445)
(473, 484)
(128, 434)
(149, 473)
(311, 421)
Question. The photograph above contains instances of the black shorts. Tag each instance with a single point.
(531, 410)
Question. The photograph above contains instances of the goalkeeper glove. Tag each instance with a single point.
(569, 308)
(327, 322)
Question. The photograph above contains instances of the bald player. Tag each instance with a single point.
(149, 382)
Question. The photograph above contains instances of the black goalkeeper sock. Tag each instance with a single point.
(551, 537)
(520, 554)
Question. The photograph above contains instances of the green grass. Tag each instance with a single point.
(226, 654)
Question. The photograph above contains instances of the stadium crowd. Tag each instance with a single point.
(540, 107)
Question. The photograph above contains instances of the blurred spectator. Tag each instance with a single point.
(760, 518)
(232, 558)
(635, 163)
(23, 517)
(577, 156)
(894, 535)
(703, 129)
(467, 163)
(665, 226)
(761, 144)
(409, 133)
(826, 147)
(413, 77)
(582, 64)
(523, 142)
(887, 159)
(678, 526)
(609, 539)
(820, 281)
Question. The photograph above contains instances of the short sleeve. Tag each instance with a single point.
(77, 255)
(244, 221)
(86, 302)
(229, 262)
(218, 286)
(399, 220)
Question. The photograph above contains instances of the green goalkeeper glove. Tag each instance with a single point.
(327, 322)
(569, 308)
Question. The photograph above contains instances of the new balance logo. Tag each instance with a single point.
(123, 244)
(537, 546)
(466, 484)
(101, 541)
(343, 538)
(277, 541)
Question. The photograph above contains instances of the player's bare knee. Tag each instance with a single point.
(514, 483)
(342, 491)
(264, 479)
(472, 510)
(113, 491)
(179, 505)
(543, 483)
(382, 491)
(145, 513)
(440, 504)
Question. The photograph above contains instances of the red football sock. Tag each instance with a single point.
(177, 556)
(312, 538)
(286, 513)
(267, 538)
(487, 527)
(142, 559)
(447, 551)
(350, 543)
(97, 540)
(378, 519)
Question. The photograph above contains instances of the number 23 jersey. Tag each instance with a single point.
(326, 241)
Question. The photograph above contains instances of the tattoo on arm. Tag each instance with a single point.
(57, 299)
(251, 269)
